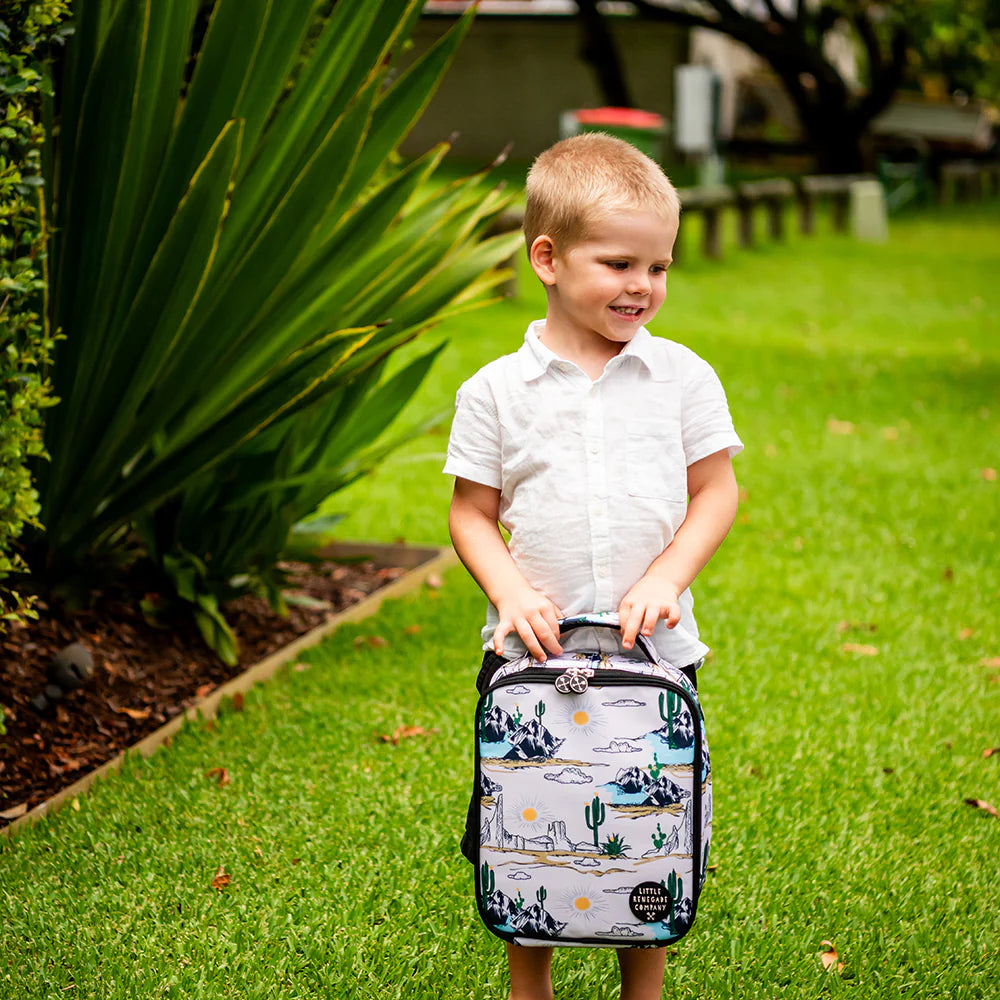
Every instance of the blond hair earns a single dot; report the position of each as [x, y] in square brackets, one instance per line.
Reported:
[579, 181]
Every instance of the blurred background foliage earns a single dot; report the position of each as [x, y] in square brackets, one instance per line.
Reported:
[235, 250]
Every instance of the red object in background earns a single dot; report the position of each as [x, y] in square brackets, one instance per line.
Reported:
[621, 117]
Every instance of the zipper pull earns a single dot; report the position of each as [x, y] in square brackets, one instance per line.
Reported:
[574, 680]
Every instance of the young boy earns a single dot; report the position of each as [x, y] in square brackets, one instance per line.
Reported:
[603, 451]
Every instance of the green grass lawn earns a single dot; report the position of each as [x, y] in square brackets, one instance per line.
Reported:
[852, 690]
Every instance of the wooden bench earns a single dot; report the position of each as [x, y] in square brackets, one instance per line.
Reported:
[709, 203]
[836, 187]
[773, 195]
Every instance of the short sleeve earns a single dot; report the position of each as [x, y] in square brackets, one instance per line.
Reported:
[474, 448]
[707, 426]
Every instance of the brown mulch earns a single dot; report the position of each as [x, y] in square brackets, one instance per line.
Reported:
[143, 675]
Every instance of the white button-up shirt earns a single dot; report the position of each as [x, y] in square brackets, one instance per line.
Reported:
[592, 474]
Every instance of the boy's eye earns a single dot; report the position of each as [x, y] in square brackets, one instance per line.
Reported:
[658, 269]
[618, 265]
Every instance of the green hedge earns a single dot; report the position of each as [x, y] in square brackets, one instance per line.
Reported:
[27, 33]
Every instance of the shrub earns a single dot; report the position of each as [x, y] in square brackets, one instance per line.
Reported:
[26, 32]
[236, 252]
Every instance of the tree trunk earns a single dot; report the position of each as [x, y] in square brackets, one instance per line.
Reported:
[600, 51]
[835, 138]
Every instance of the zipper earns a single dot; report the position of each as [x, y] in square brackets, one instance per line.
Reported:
[596, 675]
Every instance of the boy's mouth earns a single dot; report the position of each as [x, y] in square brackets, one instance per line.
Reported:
[628, 310]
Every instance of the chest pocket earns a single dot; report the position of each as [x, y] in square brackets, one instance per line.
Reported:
[655, 466]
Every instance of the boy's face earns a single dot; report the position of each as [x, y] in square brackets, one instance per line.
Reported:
[610, 283]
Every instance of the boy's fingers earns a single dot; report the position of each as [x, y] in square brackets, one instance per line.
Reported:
[631, 627]
[547, 634]
[649, 620]
[530, 640]
[498, 633]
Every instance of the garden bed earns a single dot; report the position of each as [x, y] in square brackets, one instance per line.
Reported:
[145, 676]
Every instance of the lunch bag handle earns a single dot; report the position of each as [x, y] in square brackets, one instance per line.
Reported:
[608, 619]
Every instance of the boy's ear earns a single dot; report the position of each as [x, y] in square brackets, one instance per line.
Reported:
[541, 253]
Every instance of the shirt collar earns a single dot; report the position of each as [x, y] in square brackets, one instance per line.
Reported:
[536, 358]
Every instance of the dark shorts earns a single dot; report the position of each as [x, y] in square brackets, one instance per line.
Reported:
[490, 663]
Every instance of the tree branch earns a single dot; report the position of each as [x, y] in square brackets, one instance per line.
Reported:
[886, 83]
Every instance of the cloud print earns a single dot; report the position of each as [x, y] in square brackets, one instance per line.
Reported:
[520, 689]
[520, 877]
[618, 746]
[624, 703]
[570, 776]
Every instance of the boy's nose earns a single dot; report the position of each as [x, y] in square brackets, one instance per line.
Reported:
[638, 284]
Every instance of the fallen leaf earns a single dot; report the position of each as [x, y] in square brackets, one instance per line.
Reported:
[990, 475]
[983, 805]
[305, 601]
[76, 805]
[403, 733]
[839, 426]
[890, 433]
[991, 752]
[990, 661]
[411, 630]
[888, 770]
[134, 713]
[222, 879]
[375, 641]
[857, 627]
[829, 957]
[434, 581]
[860, 648]
[949, 573]
[220, 773]
[966, 633]
[203, 690]
[70, 764]
[299, 667]
[238, 701]
[15, 811]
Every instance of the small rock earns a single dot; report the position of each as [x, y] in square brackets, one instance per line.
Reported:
[71, 667]
[39, 703]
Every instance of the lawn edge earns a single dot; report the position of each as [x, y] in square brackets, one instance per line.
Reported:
[420, 562]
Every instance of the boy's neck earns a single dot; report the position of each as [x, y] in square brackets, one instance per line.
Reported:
[590, 355]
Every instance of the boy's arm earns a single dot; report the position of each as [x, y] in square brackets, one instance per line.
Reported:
[475, 533]
[714, 498]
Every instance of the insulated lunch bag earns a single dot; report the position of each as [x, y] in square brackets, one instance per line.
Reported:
[595, 798]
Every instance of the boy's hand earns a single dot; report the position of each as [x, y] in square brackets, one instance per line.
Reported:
[534, 618]
[643, 606]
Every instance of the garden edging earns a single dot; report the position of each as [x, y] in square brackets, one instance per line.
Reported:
[420, 562]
